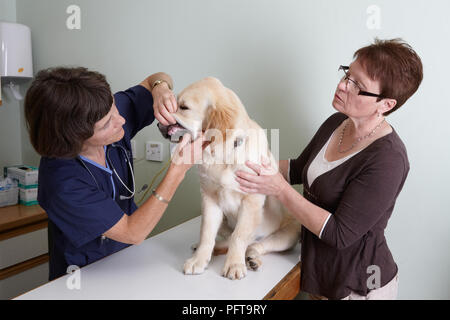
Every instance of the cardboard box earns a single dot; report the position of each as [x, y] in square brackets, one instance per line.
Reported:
[27, 176]
[28, 196]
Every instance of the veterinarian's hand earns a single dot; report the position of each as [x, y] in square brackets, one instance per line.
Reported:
[188, 152]
[164, 103]
[265, 179]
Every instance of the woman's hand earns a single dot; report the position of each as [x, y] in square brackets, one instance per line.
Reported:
[188, 153]
[265, 179]
[164, 103]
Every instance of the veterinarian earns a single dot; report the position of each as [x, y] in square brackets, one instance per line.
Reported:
[86, 181]
[352, 171]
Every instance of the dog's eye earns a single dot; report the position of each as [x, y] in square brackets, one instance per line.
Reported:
[184, 108]
[238, 142]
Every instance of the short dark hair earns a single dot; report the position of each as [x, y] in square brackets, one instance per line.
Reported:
[396, 65]
[62, 106]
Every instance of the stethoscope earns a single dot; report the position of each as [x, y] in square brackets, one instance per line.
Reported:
[127, 160]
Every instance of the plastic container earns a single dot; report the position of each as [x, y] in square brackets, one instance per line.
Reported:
[9, 192]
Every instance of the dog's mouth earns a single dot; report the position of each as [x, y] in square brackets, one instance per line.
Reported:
[173, 132]
[174, 128]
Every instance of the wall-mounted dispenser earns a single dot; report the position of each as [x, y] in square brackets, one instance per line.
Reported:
[16, 63]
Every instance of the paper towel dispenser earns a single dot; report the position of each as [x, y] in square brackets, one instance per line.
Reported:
[16, 62]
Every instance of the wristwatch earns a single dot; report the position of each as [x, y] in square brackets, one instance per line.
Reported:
[159, 81]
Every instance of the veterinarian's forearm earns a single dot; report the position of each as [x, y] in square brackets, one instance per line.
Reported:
[308, 214]
[145, 218]
[148, 82]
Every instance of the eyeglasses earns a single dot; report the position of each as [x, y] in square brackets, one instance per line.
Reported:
[354, 87]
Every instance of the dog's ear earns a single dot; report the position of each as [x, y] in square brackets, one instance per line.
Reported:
[220, 118]
[221, 115]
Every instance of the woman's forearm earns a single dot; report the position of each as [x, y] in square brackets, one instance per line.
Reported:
[150, 80]
[308, 214]
[145, 218]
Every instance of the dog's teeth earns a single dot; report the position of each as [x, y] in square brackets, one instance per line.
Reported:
[173, 130]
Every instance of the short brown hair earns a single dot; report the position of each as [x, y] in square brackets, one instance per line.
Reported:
[62, 106]
[396, 65]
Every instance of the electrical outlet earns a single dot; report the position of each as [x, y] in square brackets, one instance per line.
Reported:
[154, 151]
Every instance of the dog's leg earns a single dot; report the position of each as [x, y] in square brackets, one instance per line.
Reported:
[222, 239]
[221, 247]
[211, 220]
[281, 240]
[249, 217]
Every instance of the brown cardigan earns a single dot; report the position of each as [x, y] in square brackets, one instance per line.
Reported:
[360, 194]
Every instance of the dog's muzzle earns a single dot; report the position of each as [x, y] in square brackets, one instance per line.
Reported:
[173, 132]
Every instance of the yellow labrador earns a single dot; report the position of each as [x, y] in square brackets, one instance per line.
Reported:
[246, 225]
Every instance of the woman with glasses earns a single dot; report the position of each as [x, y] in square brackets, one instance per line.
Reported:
[352, 171]
[86, 179]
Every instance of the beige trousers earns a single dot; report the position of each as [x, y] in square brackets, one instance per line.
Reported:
[388, 292]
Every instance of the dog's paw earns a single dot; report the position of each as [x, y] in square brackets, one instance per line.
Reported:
[234, 271]
[252, 259]
[195, 265]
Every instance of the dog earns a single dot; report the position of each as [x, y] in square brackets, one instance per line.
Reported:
[244, 226]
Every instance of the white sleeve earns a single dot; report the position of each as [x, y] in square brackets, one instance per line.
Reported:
[324, 224]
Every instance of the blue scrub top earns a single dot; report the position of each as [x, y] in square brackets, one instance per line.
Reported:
[80, 209]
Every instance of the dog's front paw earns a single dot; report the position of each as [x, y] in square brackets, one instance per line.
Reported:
[234, 271]
[195, 265]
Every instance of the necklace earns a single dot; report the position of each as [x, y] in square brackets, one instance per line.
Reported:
[359, 139]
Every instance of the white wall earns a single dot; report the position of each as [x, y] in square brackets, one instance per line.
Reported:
[8, 10]
[281, 58]
[10, 123]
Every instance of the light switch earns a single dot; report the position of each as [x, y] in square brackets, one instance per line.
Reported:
[154, 151]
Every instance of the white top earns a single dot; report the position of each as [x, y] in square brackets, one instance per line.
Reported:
[154, 270]
[319, 166]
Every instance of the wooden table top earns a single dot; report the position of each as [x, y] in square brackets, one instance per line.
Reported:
[17, 216]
